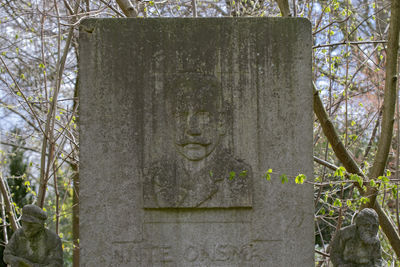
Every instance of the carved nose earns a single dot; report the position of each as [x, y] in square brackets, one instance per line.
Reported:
[193, 131]
[193, 128]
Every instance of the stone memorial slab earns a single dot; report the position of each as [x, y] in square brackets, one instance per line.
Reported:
[180, 119]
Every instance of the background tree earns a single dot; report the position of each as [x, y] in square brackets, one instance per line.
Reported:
[18, 184]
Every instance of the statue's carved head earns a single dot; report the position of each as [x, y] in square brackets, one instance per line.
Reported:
[32, 220]
[367, 224]
[195, 108]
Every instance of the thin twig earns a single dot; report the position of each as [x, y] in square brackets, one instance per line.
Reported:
[23, 95]
[51, 117]
[351, 43]
[57, 199]
[3, 215]
[7, 202]
[112, 8]
[330, 24]
[322, 253]
[370, 16]
[325, 163]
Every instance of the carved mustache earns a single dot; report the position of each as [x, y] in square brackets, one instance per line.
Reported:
[197, 141]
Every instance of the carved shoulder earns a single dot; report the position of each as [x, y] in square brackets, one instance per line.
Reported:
[12, 244]
[52, 238]
[338, 242]
[347, 232]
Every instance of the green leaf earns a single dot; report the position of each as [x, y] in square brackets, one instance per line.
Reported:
[243, 174]
[284, 178]
[394, 191]
[232, 175]
[340, 172]
[267, 175]
[348, 203]
[336, 6]
[300, 179]
[337, 203]
[365, 200]
[372, 183]
[388, 173]
[355, 177]
[322, 211]
[331, 212]
[384, 179]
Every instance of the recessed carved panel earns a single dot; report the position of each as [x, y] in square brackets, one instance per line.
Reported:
[201, 173]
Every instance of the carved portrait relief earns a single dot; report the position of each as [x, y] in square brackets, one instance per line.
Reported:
[203, 173]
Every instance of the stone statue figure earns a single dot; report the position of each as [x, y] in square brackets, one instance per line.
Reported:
[358, 245]
[33, 245]
[203, 173]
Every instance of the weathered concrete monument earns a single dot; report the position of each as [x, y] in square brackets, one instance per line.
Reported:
[180, 120]
[358, 244]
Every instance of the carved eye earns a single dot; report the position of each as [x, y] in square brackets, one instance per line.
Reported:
[181, 115]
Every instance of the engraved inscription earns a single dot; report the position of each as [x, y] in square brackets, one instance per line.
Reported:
[129, 253]
[203, 174]
[195, 254]
[250, 253]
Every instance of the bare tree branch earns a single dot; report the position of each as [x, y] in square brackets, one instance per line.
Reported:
[284, 7]
[389, 102]
[127, 7]
[350, 42]
[7, 202]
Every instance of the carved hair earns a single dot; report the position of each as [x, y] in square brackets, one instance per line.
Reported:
[197, 88]
[366, 214]
[202, 91]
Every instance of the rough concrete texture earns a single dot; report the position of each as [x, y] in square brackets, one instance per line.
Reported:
[180, 120]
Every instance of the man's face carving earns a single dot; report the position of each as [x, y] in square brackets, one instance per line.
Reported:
[197, 133]
[198, 123]
[31, 229]
[368, 231]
